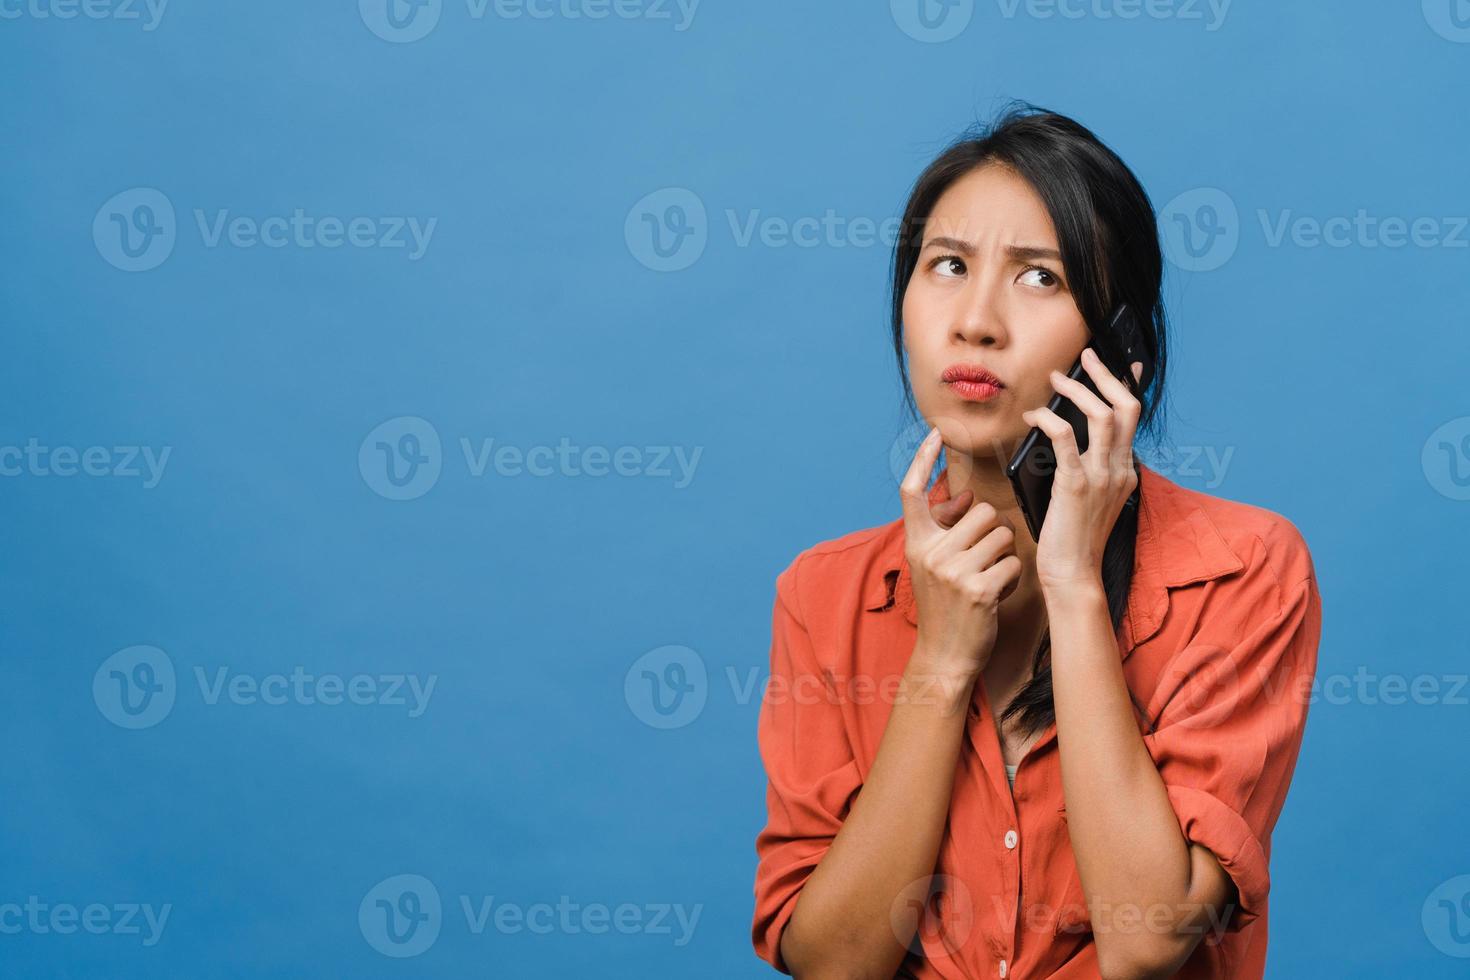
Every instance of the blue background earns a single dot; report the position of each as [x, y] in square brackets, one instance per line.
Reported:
[533, 316]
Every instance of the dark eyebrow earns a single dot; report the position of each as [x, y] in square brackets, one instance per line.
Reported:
[1020, 253]
[1027, 252]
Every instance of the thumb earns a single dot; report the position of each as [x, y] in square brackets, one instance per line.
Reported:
[948, 513]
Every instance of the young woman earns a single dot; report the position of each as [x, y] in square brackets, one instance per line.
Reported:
[993, 756]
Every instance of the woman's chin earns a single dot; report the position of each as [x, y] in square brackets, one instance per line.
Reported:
[983, 442]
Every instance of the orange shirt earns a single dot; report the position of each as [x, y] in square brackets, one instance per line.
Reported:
[1219, 645]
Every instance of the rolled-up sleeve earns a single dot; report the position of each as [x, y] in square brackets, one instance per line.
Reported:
[810, 770]
[1227, 737]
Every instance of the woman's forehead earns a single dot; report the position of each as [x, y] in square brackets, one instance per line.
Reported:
[988, 205]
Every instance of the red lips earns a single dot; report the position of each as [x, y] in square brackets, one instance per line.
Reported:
[971, 372]
[972, 383]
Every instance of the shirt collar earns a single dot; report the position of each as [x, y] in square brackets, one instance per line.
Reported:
[1177, 545]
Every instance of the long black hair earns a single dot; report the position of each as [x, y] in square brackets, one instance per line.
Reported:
[1108, 236]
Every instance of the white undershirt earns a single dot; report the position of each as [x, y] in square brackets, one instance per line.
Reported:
[1011, 774]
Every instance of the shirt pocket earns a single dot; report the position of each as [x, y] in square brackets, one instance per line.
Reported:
[1071, 917]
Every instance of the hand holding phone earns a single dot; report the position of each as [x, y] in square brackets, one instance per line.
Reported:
[1033, 467]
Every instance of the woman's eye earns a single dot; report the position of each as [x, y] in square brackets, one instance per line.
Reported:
[1047, 279]
[953, 263]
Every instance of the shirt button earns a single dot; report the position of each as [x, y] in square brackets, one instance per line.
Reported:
[1010, 845]
[1002, 968]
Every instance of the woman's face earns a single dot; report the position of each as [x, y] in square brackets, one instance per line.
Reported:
[988, 293]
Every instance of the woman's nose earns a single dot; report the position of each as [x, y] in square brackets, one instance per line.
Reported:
[978, 321]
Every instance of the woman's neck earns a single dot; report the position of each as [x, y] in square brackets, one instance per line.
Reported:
[985, 477]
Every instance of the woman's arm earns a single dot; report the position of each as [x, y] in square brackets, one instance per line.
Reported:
[1147, 888]
[1151, 894]
[857, 910]
[1150, 891]
[844, 923]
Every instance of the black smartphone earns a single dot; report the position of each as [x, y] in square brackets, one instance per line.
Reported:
[1033, 467]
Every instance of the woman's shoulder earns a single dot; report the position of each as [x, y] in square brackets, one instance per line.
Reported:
[849, 565]
[1261, 539]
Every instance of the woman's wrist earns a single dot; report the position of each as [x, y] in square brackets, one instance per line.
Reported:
[1064, 594]
[934, 678]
